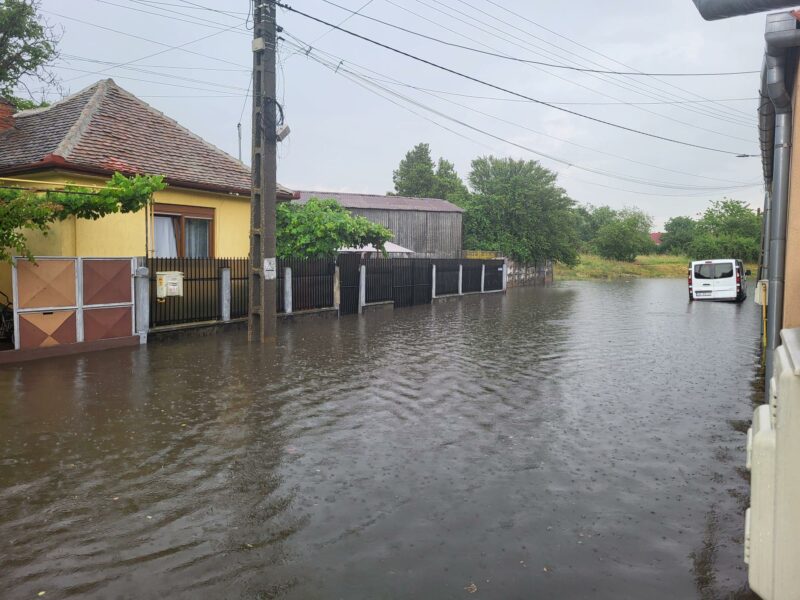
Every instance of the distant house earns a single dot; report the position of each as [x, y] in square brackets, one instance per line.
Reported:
[656, 237]
[86, 137]
[429, 227]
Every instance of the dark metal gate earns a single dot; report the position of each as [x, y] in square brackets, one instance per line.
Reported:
[349, 275]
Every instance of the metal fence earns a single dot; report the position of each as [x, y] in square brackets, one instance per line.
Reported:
[493, 279]
[447, 276]
[404, 281]
[201, 290]
[380, 279]
[312, 282]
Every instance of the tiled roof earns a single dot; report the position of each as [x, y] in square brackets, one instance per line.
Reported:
[104, 129]
[375, 201]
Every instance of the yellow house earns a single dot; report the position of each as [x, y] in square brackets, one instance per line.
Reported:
[86, 137]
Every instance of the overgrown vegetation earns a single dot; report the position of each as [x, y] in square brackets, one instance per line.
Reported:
[319, 228]
[592, 266]
[23, 210]
[728, 228]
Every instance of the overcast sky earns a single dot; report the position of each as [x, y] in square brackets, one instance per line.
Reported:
[347, 135]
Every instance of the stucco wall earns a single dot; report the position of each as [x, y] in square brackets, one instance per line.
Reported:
[124, 234]
[791, 306]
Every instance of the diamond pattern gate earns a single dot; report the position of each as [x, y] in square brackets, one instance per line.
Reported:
[65, 300]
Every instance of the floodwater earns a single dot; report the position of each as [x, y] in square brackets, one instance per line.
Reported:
[584, 440]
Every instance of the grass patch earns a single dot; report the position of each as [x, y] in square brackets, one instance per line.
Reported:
[649, 266]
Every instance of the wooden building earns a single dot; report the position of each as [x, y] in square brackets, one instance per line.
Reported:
[432, 228]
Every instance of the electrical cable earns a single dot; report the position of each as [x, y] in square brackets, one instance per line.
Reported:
[337, 68]
[516, 58]
[509, 91]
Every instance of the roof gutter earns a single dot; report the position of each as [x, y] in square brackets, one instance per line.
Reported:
[781, 35]
[712, 10]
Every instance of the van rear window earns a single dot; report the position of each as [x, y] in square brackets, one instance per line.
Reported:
[704, 271]
[723, 270]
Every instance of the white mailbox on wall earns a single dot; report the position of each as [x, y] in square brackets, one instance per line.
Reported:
[169, 283]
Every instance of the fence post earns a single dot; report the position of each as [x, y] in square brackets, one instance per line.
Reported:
[287, 290]
[505, 275]
[225, 293]
[483, 278]
[141, 291]
[337, 290]
[460, 278]
[433, 280]
[362, 288]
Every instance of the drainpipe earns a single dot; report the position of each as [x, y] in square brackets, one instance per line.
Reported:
[782, 34]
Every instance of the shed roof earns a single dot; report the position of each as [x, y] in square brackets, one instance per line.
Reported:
[104, 128]
[374, 201]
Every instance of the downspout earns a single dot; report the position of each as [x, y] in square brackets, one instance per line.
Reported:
[781, 34]
[766, 136]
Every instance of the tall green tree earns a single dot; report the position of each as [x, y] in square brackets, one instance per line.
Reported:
[448, 185]
[419, 177]
[415, 176]
[27, 48]
[728, 228]
[319, 228]
[679, 233]
[518, 209]
[625, 236]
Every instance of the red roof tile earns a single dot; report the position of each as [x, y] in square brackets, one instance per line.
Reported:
[105, 129]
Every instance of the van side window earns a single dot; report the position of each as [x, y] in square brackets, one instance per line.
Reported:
[704, 271]
[723, 270]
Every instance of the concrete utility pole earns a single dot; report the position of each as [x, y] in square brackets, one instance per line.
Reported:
[262, 323]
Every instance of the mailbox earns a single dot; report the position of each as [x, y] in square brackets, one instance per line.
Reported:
[169, 283]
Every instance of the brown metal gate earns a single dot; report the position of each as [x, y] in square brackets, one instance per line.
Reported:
[65, 300]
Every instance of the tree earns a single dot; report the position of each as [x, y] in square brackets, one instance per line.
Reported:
[679, 232]
[22, 209]
[319, 228]
[415, 176]
[27, 47]
[590, 219]
[448, 185]
[626, 236]
[519, 210]
[419, 177]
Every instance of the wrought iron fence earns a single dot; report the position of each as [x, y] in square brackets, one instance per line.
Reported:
[201, 290]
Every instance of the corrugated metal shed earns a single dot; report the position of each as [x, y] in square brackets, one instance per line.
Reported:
[428, 226]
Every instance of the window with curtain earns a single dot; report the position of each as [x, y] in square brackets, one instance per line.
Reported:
[166, 240]
[183, 231]
[197, 238]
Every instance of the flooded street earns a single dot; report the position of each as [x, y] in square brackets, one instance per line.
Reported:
[579, 441]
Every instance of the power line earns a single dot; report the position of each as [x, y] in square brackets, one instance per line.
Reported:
[393, 81]
[508, 91]
[534, 23]
[635, 85]
[517, 58]
[352, 14]
[336, 67]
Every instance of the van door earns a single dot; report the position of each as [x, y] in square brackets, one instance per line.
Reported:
[724, 280]
[703, 284]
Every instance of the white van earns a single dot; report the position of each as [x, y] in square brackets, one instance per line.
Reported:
[722, 279]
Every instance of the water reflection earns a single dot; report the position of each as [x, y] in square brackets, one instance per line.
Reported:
[553, 442]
